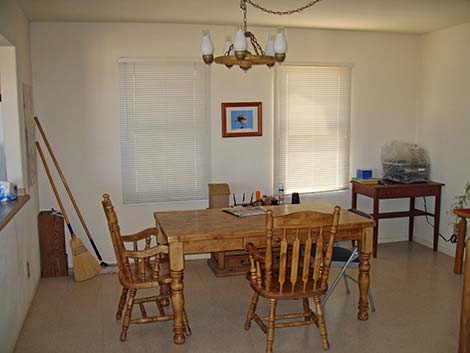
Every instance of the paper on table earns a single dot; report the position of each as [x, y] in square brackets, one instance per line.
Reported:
[245, 211]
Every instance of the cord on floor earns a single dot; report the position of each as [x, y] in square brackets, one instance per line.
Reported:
[452, 239]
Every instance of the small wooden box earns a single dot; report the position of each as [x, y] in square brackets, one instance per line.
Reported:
[52, 245]
[219, 195]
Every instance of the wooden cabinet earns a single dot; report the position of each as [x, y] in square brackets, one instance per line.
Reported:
[52, 244]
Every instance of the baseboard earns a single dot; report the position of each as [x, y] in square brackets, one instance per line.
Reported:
[443, 247]
[388, 238]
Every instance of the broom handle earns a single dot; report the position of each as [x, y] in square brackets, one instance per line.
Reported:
[51, 181]
[69, 192]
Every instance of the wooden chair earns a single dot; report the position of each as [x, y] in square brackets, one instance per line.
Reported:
[294, 277]
[143, 267]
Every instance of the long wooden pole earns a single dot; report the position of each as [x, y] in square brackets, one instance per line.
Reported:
[54, 189]
[69, 192]
[85, 265]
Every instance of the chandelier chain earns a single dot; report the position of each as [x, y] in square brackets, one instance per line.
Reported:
[243, 7]
[255, 44]
[272, 12]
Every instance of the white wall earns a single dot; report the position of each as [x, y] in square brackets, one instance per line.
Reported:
[18, 245]
[443, 126]
[19, 239]
[77, 98]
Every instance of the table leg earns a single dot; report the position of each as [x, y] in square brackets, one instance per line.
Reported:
[437, 217]
[177, 297]
[365, 249]
[458, 262]
[375, 215]
[412, 219]
[354, 199]
[464, 336]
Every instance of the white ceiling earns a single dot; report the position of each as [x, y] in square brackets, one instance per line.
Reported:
[412, 16]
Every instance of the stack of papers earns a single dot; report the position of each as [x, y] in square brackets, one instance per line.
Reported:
[240, 211]
[365, 181]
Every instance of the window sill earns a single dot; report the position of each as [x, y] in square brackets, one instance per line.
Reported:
[8, 210]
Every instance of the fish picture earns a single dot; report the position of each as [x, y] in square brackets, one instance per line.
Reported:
[241, 119]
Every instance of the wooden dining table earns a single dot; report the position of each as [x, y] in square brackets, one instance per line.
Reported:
[213, 230]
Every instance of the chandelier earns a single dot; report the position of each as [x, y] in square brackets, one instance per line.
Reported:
[237, 53]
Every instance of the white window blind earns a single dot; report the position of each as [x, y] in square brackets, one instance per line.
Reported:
[164, 130]
[312, 118]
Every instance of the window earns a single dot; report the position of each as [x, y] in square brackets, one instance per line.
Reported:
[311, 147]
[165, 130]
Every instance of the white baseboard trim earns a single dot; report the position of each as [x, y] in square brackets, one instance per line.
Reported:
[443, 247]
[388, 238]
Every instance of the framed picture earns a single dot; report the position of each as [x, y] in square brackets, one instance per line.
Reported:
[242, 119]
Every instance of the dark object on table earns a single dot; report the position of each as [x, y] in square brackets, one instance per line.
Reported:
[405, 172]
[52, 244]
[295, 198]
[269, 201]
[405, 162]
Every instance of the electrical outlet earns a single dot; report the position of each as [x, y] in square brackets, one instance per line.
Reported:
[28, 273]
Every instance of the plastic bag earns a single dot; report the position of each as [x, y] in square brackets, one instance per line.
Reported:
[405, 162]
[7, 192]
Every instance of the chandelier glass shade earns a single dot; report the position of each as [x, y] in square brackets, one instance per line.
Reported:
[239, 53]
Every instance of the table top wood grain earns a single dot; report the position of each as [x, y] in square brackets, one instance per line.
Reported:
[210, 224]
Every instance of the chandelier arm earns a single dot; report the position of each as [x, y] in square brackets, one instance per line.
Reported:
[281, 13]
[230, 48]
[255, 44]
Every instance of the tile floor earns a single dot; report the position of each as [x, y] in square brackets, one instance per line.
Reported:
[416, 293]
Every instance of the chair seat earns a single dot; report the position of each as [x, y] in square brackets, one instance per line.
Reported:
[147, 281]
[298, 292]
[342, 255]
[339, 254]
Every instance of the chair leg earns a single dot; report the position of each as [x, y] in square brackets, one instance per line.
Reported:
[321, 323]
[127, 317]
[346, 284]
[369, 294]
[271, 322]
[122, 302]
[160, 307]
[251, 311]
[187, 329]
[307, 310]
[165, 291]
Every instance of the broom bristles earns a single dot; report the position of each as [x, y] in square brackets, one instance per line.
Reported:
[85, 266]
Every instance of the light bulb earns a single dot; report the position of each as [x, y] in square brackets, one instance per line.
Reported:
[207, 48]
[280, 44]
[269, 50]
[239, 43]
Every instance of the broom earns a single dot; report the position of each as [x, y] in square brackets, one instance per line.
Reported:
[69, 192]
[85, 265]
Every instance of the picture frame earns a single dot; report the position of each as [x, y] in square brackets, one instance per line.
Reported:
[242, 119]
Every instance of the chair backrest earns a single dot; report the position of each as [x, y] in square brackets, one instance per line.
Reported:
[295, 234]
[115, 232]
[146, 261]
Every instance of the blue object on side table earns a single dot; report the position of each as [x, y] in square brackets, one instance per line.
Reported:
[364, 174]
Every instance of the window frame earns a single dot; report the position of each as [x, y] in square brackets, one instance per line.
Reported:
[277, 122]
[207, 104]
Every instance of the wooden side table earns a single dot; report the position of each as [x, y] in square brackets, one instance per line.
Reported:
[463, 213]
[398, 191]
